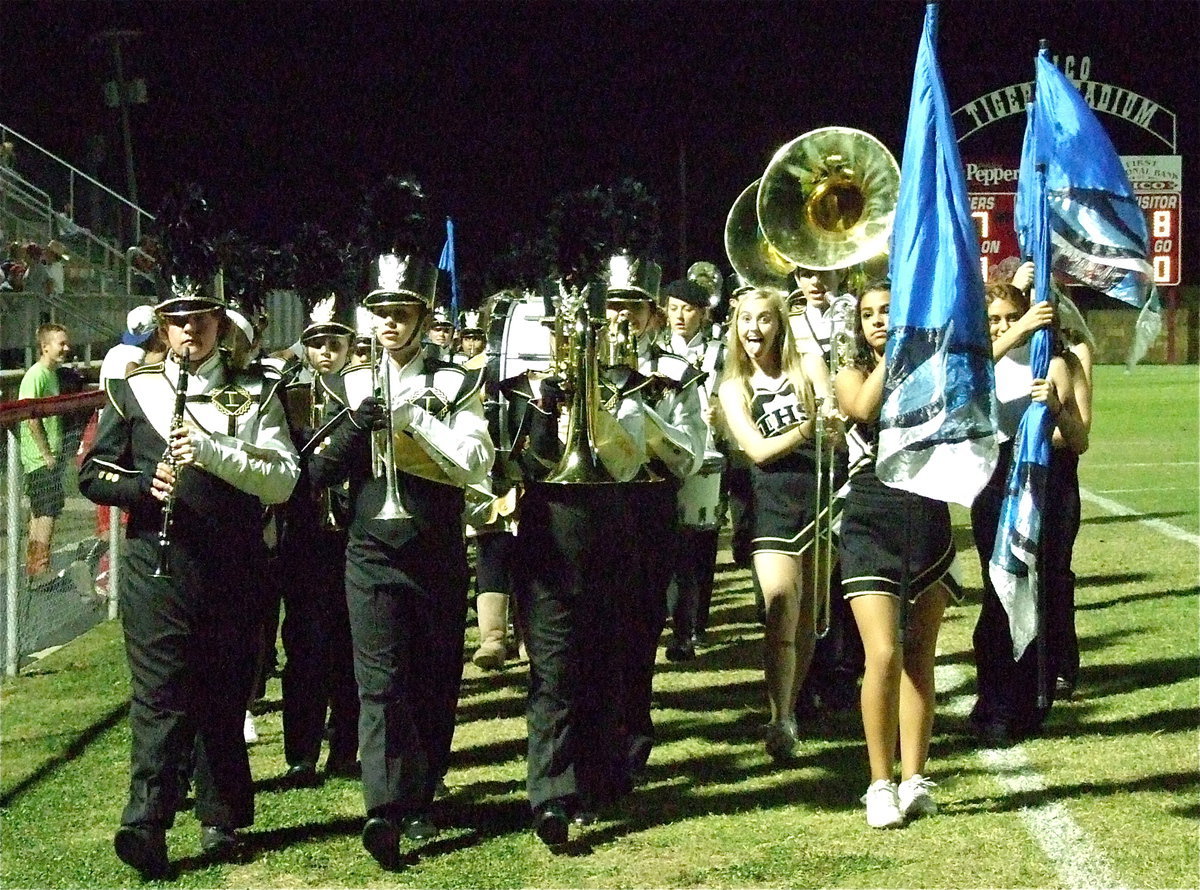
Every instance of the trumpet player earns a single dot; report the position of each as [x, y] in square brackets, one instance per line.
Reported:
[215, 463]
[406, 563]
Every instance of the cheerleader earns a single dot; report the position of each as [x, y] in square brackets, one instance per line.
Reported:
[897, 696]
[766, 398]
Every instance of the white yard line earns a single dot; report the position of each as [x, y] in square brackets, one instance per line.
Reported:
[1079, 862]
[1157, 525]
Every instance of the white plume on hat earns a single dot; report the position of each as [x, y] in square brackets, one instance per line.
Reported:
[322, 311]
[364, 322]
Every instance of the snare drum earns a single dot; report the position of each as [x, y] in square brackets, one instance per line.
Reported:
[699, 497]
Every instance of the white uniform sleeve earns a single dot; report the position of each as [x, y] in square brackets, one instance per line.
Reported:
[675, 431]
[267, 467]
[460, 445]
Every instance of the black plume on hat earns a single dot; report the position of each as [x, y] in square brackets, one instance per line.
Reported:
[637, 229]
[524, 264]
[580, 229]
[186, 229]
[394, 218]
[249, 271]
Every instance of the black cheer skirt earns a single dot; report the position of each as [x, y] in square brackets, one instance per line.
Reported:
[879, 525]
[782, 504]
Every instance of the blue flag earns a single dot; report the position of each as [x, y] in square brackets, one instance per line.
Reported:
[937, 425]
[1013, 568]
[449, 263]
[1097, 231]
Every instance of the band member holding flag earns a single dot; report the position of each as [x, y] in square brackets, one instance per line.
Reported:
[877, 552]
[1076, 214]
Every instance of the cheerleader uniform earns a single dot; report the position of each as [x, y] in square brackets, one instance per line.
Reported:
[881, 525]
[782, 491]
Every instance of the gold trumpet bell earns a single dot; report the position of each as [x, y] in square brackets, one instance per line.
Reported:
[828, 198]
[752, 256]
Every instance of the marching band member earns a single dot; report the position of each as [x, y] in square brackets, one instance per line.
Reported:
[318, 670]
[226, 454]
[470, 337]
[1006, 709]
[406, 570]
[441, 334]
[898, 687]
[767, 400]
[675, 435]
[687, 306]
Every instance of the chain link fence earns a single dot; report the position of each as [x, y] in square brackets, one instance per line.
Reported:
[53, 592]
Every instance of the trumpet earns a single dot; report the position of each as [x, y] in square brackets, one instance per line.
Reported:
[162, 570]
[384, 459]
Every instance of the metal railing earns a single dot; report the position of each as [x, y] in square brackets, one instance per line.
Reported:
[79, 587]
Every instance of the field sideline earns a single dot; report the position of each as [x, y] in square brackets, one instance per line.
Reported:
[1107, 796]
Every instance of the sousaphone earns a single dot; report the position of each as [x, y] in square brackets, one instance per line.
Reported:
[752, 256]
[828, 198]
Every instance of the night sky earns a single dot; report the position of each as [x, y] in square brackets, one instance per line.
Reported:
[285, 112]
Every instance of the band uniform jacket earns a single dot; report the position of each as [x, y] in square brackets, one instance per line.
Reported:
[246, 459]
[675, 430]
[447, 435]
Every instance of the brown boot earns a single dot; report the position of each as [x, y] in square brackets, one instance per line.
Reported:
[37, 558]
[493, 625]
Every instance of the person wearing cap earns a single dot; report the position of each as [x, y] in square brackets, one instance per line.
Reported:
[470, 336]
[318, 670]
[441, 334]
[140, 337]
[406, 566]
[213, 468]
[675, 436]
[687, 307]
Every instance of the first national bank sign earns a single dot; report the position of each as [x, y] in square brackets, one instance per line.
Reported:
[1103, 97]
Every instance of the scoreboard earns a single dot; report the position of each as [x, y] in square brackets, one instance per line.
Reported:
[1157, 182]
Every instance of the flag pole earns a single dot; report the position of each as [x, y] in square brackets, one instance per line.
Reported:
[1042, 276]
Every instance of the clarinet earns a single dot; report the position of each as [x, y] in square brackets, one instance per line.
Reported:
[168, 510]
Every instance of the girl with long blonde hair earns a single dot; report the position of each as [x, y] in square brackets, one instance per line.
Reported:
[767, 402]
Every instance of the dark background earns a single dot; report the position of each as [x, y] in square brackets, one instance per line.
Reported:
[286, 111]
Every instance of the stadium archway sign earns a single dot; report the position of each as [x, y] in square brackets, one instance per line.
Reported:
[1103, 97]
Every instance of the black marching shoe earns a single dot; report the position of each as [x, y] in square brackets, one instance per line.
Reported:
[302, 775]
[681, 650]
[550, 823]
[343, 766]
[144, 849]
[218, 842]
[420, 827]
[382, 841]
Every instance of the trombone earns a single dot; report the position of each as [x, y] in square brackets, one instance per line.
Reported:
[383, 460]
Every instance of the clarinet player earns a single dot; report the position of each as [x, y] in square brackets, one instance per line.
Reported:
[189, 577]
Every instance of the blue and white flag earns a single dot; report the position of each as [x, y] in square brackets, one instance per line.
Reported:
[937, 425]
[1097, 231]
[449, 263]
[1013, 568]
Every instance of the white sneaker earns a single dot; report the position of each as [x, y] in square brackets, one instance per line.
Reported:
[249, 732]
[914, 796]
[883, 811]
[781, 738]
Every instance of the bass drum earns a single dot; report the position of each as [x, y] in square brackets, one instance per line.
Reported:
[517, 341]
[699, 498]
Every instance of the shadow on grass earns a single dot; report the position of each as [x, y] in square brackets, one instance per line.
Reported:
[72, 751]
[1110, 519]
[1133, 597]
[1181, 783]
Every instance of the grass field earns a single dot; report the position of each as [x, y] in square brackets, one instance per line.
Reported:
[1107, 796]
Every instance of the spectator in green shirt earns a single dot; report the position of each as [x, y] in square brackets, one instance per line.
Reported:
[41, 448]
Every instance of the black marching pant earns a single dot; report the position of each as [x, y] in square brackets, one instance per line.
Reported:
[569, 581]
[190, 652]
[407, 608]
[651, 533]
[313, 584]
[1008, 688]
[694, 570]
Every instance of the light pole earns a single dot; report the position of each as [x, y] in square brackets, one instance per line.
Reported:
[121, 94]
